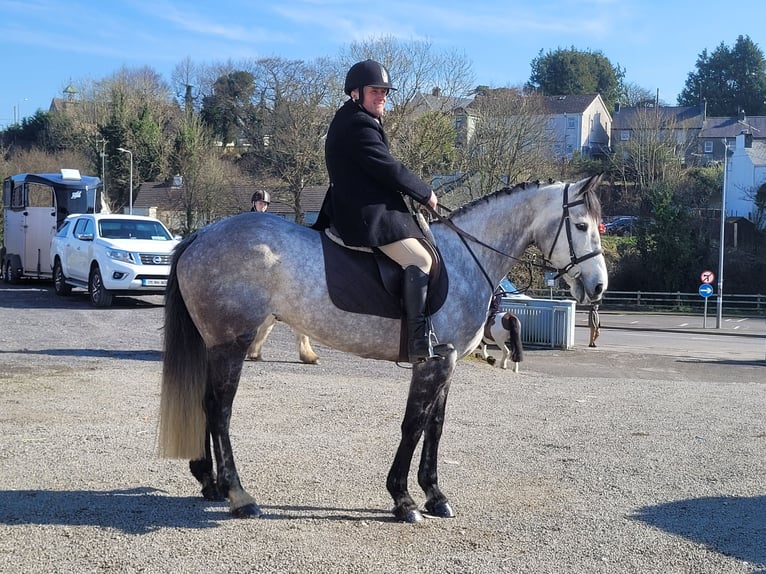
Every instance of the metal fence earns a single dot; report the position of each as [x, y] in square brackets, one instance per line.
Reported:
[544, 322]
[749, 305]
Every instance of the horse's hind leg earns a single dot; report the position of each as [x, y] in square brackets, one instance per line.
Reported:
[224, 370]
[203, 471]
[305, 352]
[424, 412]
[254, 352]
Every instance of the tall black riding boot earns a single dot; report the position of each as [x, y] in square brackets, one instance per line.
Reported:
[414, 292]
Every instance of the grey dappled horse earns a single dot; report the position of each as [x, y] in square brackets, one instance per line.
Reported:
[232, 276]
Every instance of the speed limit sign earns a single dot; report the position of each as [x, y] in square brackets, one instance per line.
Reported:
[707, 277]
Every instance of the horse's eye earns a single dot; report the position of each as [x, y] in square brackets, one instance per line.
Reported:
[581, 226]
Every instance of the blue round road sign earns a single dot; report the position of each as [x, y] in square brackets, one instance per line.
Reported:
[706, 290]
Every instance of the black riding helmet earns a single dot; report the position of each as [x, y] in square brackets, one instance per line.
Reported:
[261, 195]
[367, 73]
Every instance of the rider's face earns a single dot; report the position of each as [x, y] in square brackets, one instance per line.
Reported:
[375, 100]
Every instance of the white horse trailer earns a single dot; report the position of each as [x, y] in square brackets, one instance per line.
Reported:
[35, 205]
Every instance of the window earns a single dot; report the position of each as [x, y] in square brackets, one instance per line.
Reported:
[625, 135]
[571, 123]
[708, 147]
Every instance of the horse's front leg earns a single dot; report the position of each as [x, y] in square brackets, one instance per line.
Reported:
[427, 389]
[224, 370]
[506, 354]
[428, 478]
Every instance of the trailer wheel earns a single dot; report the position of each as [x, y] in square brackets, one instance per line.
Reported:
[10, 273]
[60, 286]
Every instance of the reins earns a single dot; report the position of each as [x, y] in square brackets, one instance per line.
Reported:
[573, 259]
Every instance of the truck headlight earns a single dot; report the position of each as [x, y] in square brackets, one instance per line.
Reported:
[120, 255]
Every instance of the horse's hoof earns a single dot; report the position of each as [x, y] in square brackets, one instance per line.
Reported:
[491, 360]
[412, 516]
[247, 511]
[213, 494]
[440, 510]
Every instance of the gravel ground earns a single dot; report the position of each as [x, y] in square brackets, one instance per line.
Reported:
[587, 461]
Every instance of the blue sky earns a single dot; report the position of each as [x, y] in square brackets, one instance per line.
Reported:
[47, 43]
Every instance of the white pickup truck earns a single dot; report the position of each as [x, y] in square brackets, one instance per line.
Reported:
[110, 254]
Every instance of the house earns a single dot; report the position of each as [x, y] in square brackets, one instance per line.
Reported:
[745, 176]
[717, 130]
[574, 124]
[680, 125]
[578, 124]
[163, 200]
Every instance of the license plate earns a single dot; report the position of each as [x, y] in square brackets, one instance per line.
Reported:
[154, 282]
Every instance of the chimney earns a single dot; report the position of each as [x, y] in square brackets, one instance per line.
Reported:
[436, 91]
[742, 116]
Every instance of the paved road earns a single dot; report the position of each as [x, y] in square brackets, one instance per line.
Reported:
[739, 338]
[643, 455]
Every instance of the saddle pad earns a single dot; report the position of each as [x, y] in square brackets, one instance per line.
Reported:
[355, 282]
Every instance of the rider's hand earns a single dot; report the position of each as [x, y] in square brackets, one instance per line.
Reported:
[432, 201]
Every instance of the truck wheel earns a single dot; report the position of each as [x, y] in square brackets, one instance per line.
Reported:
[60, 285]
[99, 295]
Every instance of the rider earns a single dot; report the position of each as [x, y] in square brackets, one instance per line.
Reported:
[260, 200]
[365, 203]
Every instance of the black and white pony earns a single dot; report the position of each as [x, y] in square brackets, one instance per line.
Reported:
[504, 331]
[234, 275]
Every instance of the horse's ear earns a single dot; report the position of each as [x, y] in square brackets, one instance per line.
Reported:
[591, 184]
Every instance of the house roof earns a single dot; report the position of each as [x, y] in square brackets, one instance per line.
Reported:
[757, 153]
[164, 196]
[436, 102]
[730, 127]
[682, 117]
[571, 104]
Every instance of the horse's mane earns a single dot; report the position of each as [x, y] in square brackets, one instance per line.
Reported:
[592, 204]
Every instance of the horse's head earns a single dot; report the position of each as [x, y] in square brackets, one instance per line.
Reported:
[569, 237]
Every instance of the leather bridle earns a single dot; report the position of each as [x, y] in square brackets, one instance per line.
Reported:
[564, 223]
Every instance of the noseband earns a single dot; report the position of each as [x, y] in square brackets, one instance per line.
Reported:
[573, 259]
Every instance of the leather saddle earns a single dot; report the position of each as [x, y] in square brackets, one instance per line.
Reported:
[362, 280]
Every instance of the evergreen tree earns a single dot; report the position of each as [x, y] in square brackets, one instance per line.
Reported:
[571, 71]
[729, 80]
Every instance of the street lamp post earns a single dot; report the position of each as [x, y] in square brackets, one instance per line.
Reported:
[17, 111]
[719, 301]
[130, 191]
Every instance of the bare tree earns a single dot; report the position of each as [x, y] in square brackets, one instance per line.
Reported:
[293, 105]
[200, 197]
[654, 151]
[416, 68]
[507, 141]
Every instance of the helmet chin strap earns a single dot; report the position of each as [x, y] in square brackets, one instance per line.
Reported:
[360, 96]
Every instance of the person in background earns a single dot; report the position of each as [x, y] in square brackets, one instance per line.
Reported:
[594, 324]
[260, 200]
[365, 204]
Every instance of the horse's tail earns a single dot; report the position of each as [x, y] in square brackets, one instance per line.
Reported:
[517, 349]
[184, 374]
